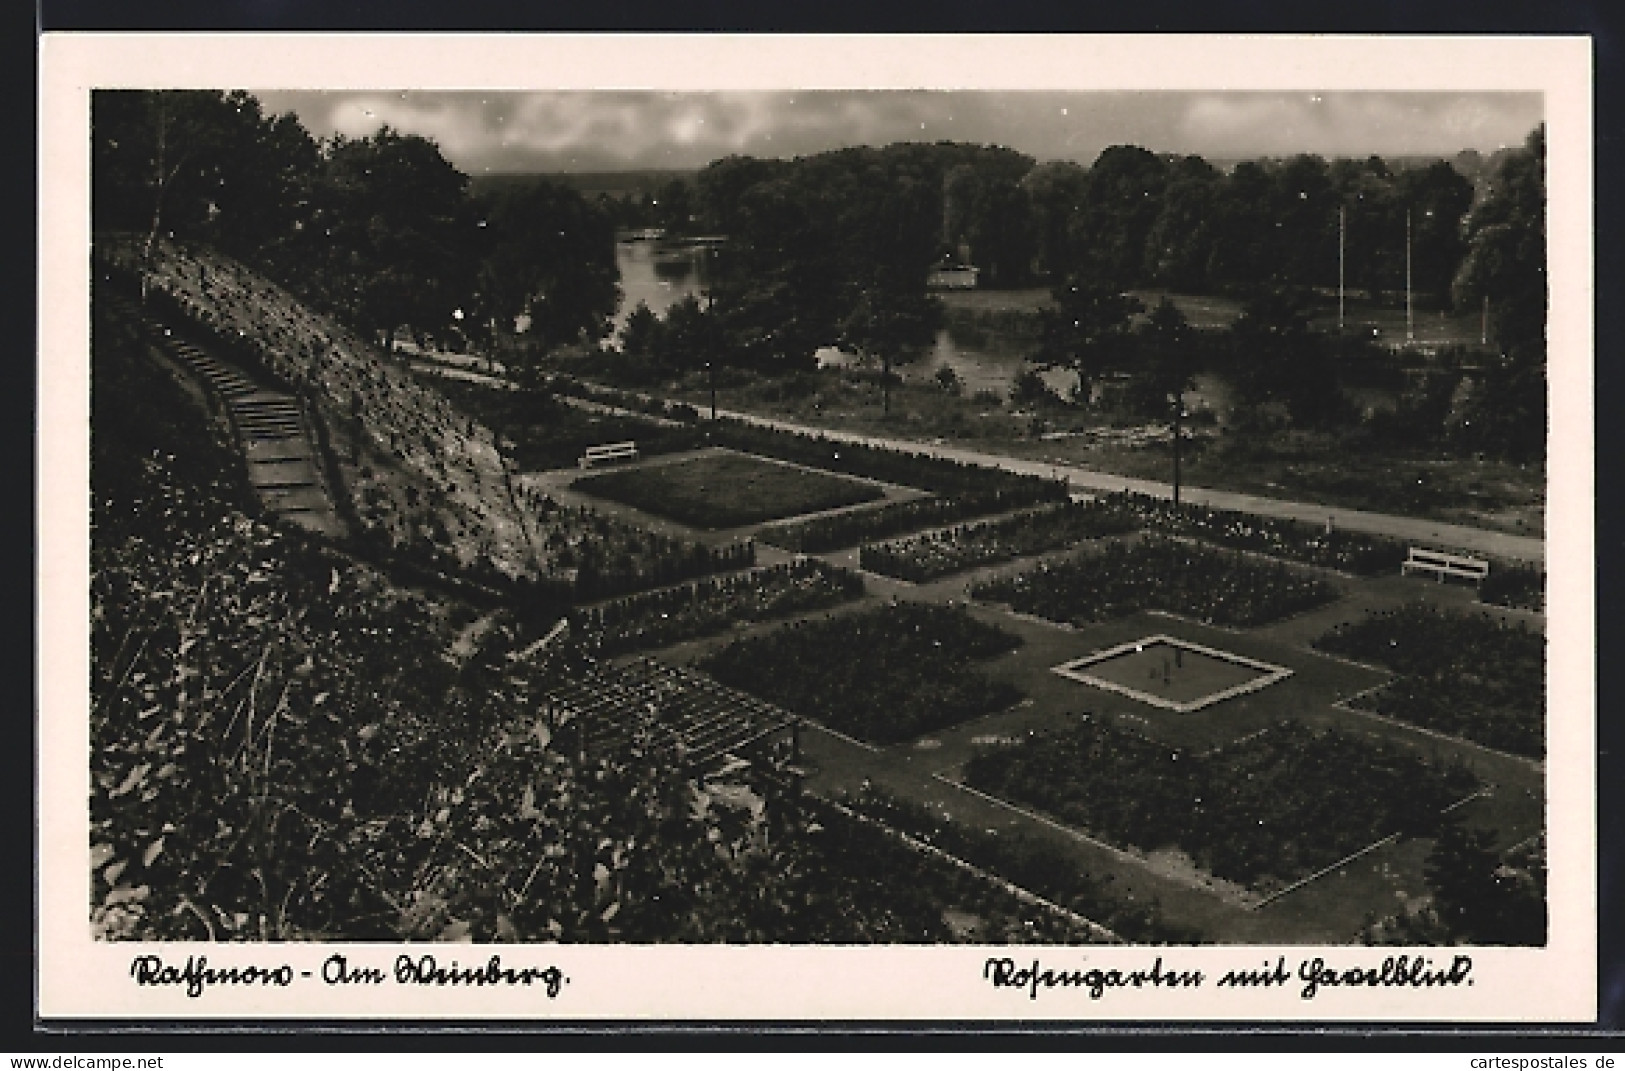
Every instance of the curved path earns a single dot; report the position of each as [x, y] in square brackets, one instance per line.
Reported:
[1436, 534]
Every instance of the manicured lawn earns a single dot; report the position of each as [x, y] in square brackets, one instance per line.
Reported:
[726, 490]
[1163, 672]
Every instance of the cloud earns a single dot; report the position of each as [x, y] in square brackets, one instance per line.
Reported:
[1356, 124]
[590, 130]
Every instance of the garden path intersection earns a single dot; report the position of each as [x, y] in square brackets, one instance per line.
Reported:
[1378, 877]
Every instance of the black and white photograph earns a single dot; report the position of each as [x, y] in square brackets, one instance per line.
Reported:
[609, 528]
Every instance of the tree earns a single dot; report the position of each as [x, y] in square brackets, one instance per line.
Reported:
[892, 321]
[641, 335]
[1243, 230]
[1124, 197]
[1304, 204]
[1088, 329]
[1477, 897]
[1278, 360]
[1056, 191]
[1506, 266]
[401, 238]
[1506, 249]
[688, 337]
[549, 255]
[199, 164]
[1163, 368]
[1001, 235]
[674, 207]
[1437, 198]
[1179, 245]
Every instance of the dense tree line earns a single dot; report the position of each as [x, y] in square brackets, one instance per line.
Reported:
[382, 230]
[834, 248]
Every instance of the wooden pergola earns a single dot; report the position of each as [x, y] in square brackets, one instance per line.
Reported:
[701, 721]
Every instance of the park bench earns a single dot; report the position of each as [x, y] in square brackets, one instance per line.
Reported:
[609, 452]
[1436, 561]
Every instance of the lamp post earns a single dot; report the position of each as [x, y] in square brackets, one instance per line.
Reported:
[1179, 411]
[711, 329]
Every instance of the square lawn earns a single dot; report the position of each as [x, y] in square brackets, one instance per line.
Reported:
[1172, 674]
[727, 490]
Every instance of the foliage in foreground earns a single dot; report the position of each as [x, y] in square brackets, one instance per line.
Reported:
[1479, 896]
[882, 675]
[285, 745]
[1263, 811]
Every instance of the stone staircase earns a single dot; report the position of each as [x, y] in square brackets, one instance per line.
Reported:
[271, 427]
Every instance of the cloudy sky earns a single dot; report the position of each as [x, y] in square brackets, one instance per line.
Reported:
[599, 131]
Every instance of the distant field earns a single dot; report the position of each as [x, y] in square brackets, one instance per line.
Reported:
[727, 490]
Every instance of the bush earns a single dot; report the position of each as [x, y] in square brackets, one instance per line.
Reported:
[1263, 811]
[1465, 675]
[1160, 574]
[1353, 552]
[927, 557]
[1023, 861]
[817, 534]
[883, 675]
[1520, 587]
[943, 476]
[662, 618]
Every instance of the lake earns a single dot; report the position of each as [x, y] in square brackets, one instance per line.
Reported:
[662, 273]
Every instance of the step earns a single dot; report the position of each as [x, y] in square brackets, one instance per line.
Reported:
[289, 414]
[247, 409]
[270, 427]
[273, 451]
[289, 483]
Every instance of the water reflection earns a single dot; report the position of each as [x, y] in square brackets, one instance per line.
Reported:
[659, 274]
[663, 273]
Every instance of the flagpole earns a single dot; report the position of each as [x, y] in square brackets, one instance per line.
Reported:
[1342, 233]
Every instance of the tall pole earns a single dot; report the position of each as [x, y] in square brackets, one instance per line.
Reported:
[1484, 323]
[1342, 233]
[711, 365]
[1410, 319]
[1179, 407]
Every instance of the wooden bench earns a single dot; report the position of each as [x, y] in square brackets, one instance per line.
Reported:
[1437, 561]
[609, 452]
